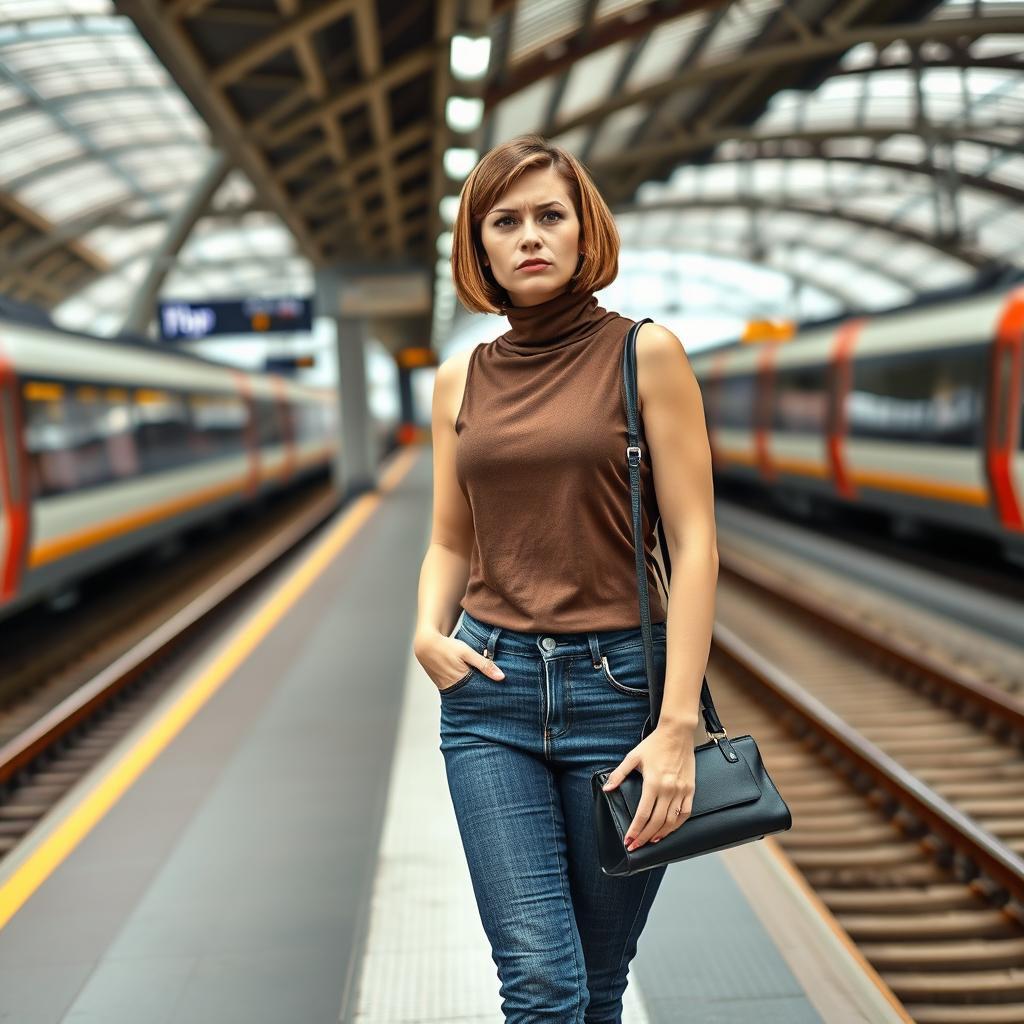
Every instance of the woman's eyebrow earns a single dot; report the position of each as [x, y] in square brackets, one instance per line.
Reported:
[538, 206]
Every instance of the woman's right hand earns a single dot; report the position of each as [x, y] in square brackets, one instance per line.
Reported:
[447, 660]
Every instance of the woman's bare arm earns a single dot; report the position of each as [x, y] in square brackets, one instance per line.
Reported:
[673, 418]
[445, 569]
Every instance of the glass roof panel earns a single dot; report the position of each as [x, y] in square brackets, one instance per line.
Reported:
[665, 49]
[617, 129]
[96, 135]
[904, 148]
[522, 112]
[609, 8]
[538, 23]
[1007, 169]
[739, 24]
[997, 46]
[117, 244]
[24, 10]
[73, 191]
[591, 77]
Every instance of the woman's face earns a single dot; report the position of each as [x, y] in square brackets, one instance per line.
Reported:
[531, 237]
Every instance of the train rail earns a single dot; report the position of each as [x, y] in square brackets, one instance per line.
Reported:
[43, 758]
[905, 776]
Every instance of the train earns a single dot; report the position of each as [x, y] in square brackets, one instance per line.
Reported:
[112, 446]
[914, 413]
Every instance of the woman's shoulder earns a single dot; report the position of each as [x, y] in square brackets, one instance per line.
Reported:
[657, 339]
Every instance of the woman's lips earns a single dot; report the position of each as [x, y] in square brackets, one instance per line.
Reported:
[534, 266]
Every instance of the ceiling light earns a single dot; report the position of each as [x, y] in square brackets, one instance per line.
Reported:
[470, 56]
[448, 207]
[464, 114]
[459, 161]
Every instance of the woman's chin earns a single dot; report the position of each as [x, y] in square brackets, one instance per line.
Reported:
[531, 293]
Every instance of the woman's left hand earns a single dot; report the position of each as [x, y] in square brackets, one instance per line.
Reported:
[666, 761]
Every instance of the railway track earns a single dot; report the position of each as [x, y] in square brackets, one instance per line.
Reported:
[905, 776]
[62, 726]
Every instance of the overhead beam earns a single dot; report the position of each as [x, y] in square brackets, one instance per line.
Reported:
[415, 133]
[140, 312]
[278, 39]
[786, 204]
[51, 236]
[368, 45]
[178, 54]
[845, 297]
[976, 181]
[412, 64]
[316, 87]
[699, 142]
[579, 45]
[800, 52]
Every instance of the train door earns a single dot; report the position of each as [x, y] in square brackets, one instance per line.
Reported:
[764, 410]
[14, 499]
[1004, 429]
[252, 442]
[840, 381]
[288, 426]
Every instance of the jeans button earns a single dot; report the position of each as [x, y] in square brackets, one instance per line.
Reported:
[548, 643]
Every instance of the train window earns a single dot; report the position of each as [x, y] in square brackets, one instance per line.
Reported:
[76, 435]
[269, 423]
[1002, 413]
[218, 424]
[801, 399]
[933, 397]
[162, 428]
[735, 405]
[307, 422]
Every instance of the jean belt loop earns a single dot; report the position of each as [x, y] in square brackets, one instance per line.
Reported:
[492, 642]
[595, 649]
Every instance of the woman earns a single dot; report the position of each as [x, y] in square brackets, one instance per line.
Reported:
[543, 682]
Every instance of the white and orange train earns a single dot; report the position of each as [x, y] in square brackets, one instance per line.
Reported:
[916, 413]
[109, 447]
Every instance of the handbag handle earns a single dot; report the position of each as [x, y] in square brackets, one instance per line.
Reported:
[712, 723]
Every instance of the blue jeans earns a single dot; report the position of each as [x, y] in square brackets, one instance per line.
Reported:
[519, 754]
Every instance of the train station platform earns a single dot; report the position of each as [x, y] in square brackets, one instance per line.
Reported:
[275, 843]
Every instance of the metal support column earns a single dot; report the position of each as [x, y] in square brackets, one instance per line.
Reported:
[355, 468]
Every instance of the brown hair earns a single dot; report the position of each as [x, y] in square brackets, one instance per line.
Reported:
[499, 169]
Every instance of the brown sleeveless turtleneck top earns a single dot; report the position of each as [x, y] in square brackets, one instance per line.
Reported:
[541, 458]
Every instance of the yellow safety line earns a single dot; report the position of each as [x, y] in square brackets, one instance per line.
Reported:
[109, 787]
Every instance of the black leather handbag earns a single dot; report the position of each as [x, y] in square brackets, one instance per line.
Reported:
[734, 799]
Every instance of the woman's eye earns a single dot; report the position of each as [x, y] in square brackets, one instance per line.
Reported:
[503, 221]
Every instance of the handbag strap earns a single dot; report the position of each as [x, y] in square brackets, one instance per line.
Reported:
[712, 723]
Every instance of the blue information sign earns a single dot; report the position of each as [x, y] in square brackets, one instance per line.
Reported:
[181, 321]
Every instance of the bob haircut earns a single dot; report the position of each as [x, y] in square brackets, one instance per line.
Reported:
[499, 169]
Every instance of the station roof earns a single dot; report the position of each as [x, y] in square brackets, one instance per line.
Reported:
[864, 151]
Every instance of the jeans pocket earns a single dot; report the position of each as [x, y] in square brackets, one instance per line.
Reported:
[624, 668]
[465, 636]
[458, 684]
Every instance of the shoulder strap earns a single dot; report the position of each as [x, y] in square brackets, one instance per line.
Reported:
[656, 685]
